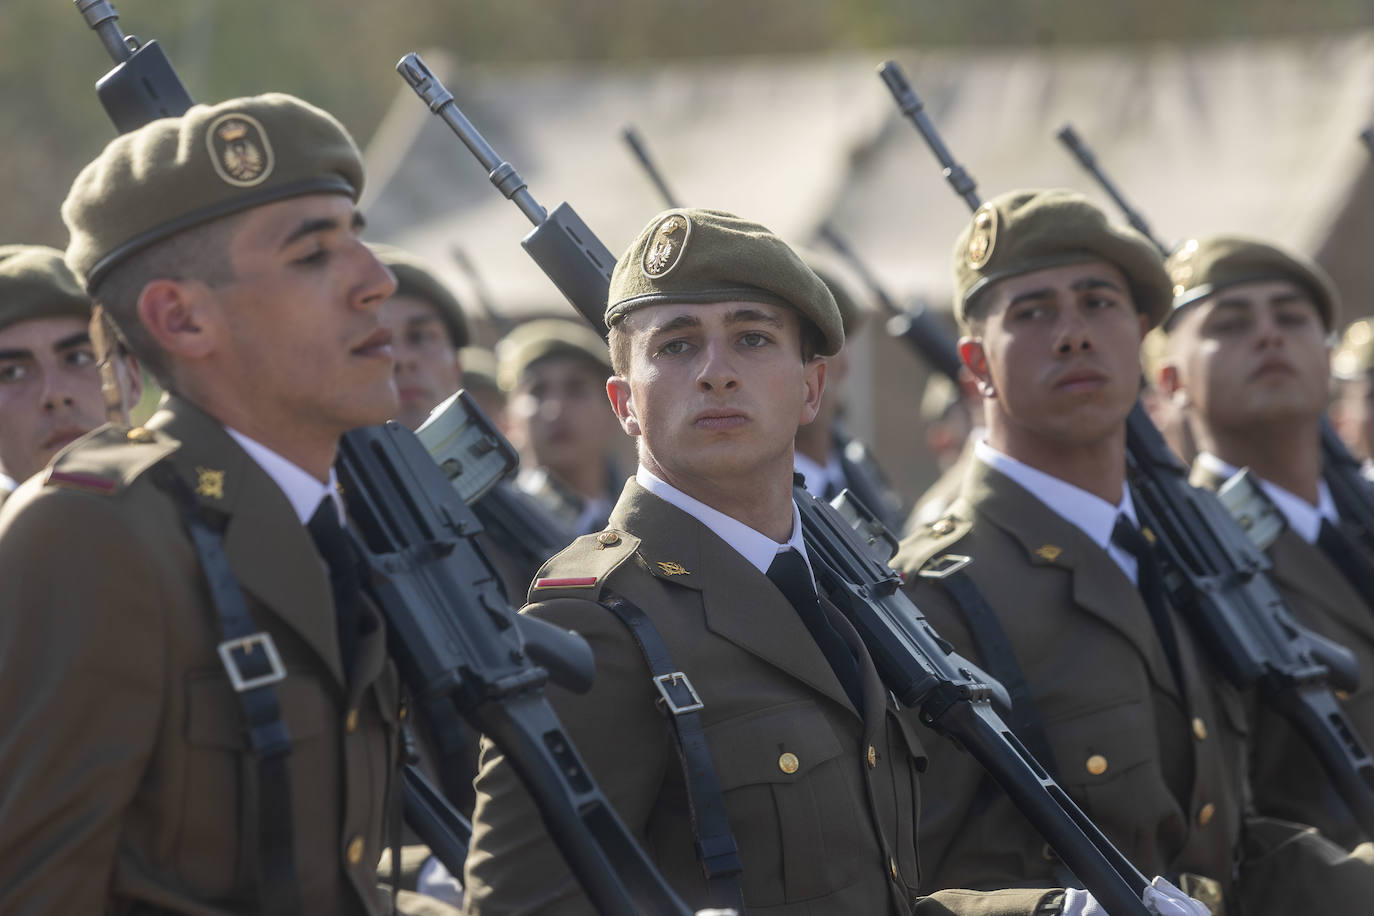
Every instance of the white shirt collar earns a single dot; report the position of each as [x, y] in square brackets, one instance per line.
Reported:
[755, 546]
[817, 476]
[8, 483]
[302, 490]
[1087, 512]
[1304, 518]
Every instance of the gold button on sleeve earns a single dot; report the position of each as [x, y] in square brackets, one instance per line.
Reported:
[355, 850]
[1205, 814]
[1096, 764]
[789, 763]
[1200, 729]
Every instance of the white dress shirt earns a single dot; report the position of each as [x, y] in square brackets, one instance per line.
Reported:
[8, 483]
[1091, 514]
[302, 490]
[819, 477]
[755, 546]
[1304, 518]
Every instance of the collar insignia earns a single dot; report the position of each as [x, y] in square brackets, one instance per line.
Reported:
[673, 569]
[1048, 552]
[209, 483]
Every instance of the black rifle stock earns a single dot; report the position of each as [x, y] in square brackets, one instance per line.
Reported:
[1350, 491]
[142, 86]
[452, 633]
[953, 696]
[1213, 569]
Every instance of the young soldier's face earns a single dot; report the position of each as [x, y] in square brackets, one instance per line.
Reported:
[427, 366]
[302, 346]
[1057, 356]
[49, 391]
[558, 412]
[1254, 353]
[716, 392]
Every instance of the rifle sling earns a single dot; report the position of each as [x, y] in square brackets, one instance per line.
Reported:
[715, 844]
[256, 661]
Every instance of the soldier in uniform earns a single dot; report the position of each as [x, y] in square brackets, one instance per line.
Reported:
[49, 384]
[1041, 573]
[1248, 364]
[479, 378]
[827, 457]
[206, 724]
[1352, 411]
[718, 337]
[555, 371]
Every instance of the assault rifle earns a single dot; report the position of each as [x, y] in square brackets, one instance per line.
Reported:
[849, 554]
[1350, 491]
[451, 631]
[1214, 571]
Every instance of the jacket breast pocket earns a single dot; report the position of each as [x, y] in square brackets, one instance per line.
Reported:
[1103, 756]
[794, 803]
[217, 845]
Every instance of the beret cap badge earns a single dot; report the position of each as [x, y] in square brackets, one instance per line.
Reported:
[239, 150]
[665, 249]
[983, 237]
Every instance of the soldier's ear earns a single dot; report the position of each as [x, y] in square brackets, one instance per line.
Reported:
[1170, 382]
[176, 314]
[975, 359]
[813, 381]
[618, 391]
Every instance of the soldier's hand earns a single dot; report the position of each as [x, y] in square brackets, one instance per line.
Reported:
[1163, 898]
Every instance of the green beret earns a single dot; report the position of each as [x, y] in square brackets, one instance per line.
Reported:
[704, 256]
[544, 338]
[175, 173]
[35, 283]
[414, 278]
[1201, 267]
[1026, 231]
[1354, 358]
[852, 315]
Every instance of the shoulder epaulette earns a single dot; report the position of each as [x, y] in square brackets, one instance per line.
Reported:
[581, 568]
[930, 542]
[108, 459]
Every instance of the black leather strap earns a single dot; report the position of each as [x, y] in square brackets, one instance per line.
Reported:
[715, 843]
[253, 666]
[999, 660]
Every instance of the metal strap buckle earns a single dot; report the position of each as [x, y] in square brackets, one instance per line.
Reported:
[667, 682]
[947, 565]
[245, 647]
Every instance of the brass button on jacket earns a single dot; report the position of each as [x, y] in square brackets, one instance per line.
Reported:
[1096, 764]
[789, 763]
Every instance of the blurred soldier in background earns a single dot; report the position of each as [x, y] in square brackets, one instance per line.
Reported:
[1247, 362]
[1042, 574]
[953, 417]
[555, 372]
[1352, 410]
[50, 391]
[826, 456]
[479, 378]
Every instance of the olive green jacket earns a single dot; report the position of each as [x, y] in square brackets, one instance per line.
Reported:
[822, 801]
[1287, 778]
[125, 774]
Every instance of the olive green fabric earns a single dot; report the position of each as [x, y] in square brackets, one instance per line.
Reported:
[215, 160]
[852, 314]
[1355, 356]
[35, 283]
[415, 278]
[545, 337]
[704, 256]
[1200, 267]
[1029, 230]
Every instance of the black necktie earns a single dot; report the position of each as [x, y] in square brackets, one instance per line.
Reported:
[1151, 586]
[1346, 555]
[791, 575]
[334, 547]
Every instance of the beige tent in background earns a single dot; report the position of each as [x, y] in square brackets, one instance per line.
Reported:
[1255, 137]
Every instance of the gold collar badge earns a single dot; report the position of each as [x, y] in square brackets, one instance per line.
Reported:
[1048, 552]
[673, 569]
[209, 483]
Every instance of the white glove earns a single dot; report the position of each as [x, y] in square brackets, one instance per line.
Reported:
[717, 912]
[438, 882]
[1163, 898]
[1160, 898]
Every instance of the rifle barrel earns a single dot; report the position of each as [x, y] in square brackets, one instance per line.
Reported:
[635, 141]
[912, 106]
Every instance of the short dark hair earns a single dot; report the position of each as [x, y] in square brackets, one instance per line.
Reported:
[199, 253]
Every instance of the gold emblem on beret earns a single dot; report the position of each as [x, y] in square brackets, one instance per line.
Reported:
[983, 237]
[672, 569]
[239, 150]
[209, 483]
[666, 245]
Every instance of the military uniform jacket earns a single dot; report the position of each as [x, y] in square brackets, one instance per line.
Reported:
[126, 778]
[1160, 770]
[822, 801]
[1287, 778]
